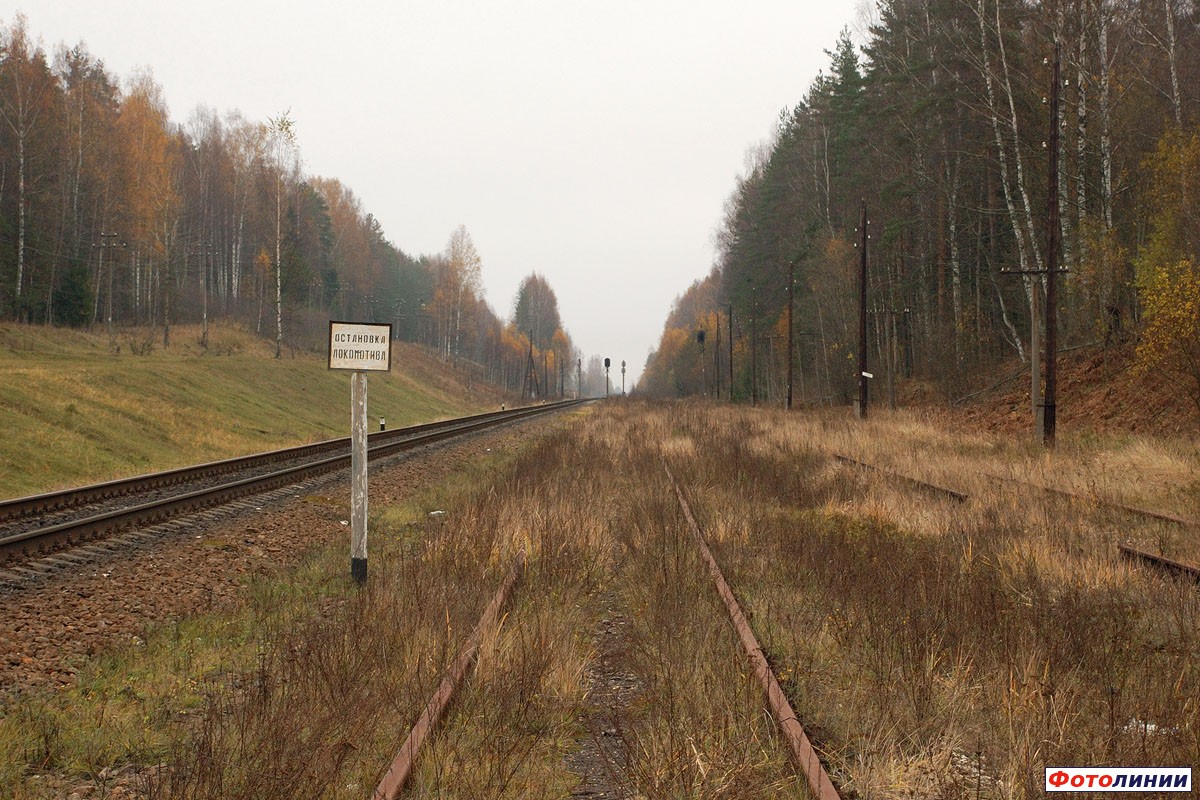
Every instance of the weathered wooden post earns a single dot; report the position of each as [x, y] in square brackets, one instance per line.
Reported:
[358, 476]
[359, 348]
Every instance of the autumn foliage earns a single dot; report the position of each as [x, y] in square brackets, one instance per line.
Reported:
[112, 214]
[935, 120]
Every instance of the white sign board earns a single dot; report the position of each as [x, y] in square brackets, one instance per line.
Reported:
[360, 346]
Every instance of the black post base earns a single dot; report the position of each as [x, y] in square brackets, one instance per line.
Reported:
[358, 570]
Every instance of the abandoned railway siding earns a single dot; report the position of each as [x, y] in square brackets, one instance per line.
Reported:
[947, 641]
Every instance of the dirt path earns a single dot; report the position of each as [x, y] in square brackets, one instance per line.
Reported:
[603, 758]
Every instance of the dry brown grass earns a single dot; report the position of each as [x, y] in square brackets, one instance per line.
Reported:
[596, 500]
[914, 633]
[930, 648]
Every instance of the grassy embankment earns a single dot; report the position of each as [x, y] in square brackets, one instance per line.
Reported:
[74, 409]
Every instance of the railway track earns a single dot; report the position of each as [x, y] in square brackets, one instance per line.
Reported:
[1171, 565]
[805, 756]
[803, 753]
[1126, 549]
[914, 482]
[46, 523]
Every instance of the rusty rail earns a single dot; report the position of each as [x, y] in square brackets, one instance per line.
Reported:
[21, 507]
[400, 769]
[1171, 565]
[1143, 512]
[962, 497]
[802, 750]
[1128, 550]
[920, 484]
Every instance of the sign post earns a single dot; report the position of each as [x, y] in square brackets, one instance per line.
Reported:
[359, 348]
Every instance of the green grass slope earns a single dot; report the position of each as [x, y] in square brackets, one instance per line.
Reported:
[76, 408]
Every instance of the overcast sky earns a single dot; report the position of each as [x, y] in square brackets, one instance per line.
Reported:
[593, 142]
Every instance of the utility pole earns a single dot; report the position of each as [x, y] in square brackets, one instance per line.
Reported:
[862, 316]
[205, 262]
[205, 253]
[107, 242]
[731, 353]
[703, 376]
[578, 378]
[1052, 236]
[1045, 405]
[717, 357]
[622, 378]
[753, 346]
[791, 344]
[531, 389]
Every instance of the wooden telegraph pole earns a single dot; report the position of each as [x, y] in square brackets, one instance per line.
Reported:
[1052, 236]
[791, 332]
[863, 375]
[717, 355]
[731, 352]
[107, 242]
[753, 346]
[1045, 403]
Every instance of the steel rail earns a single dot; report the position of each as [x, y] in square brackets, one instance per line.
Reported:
[398, 772]
[75, 531]
[1127, 549]
[1143, 512]
[920, 484]
[803, 752]
[1180, 568]
[32, 505]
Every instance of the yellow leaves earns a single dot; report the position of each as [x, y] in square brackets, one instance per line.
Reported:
[560, 342]
[675, 368]
[1167, 276]
[262, 262]
[1171, 312]
[465, 266]
[152, 162]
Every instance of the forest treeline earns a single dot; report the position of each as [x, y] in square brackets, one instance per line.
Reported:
[112, 215]
[939, 125]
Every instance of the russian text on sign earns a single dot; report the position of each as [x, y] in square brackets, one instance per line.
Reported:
[360, 346]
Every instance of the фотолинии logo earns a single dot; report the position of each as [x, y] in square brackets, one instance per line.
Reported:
[1118, 779]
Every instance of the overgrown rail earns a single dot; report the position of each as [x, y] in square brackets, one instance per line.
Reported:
[804, 754]
[914, 482]
[398, 772]
[1162, 562]
[1126, 549]
[90, 512]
